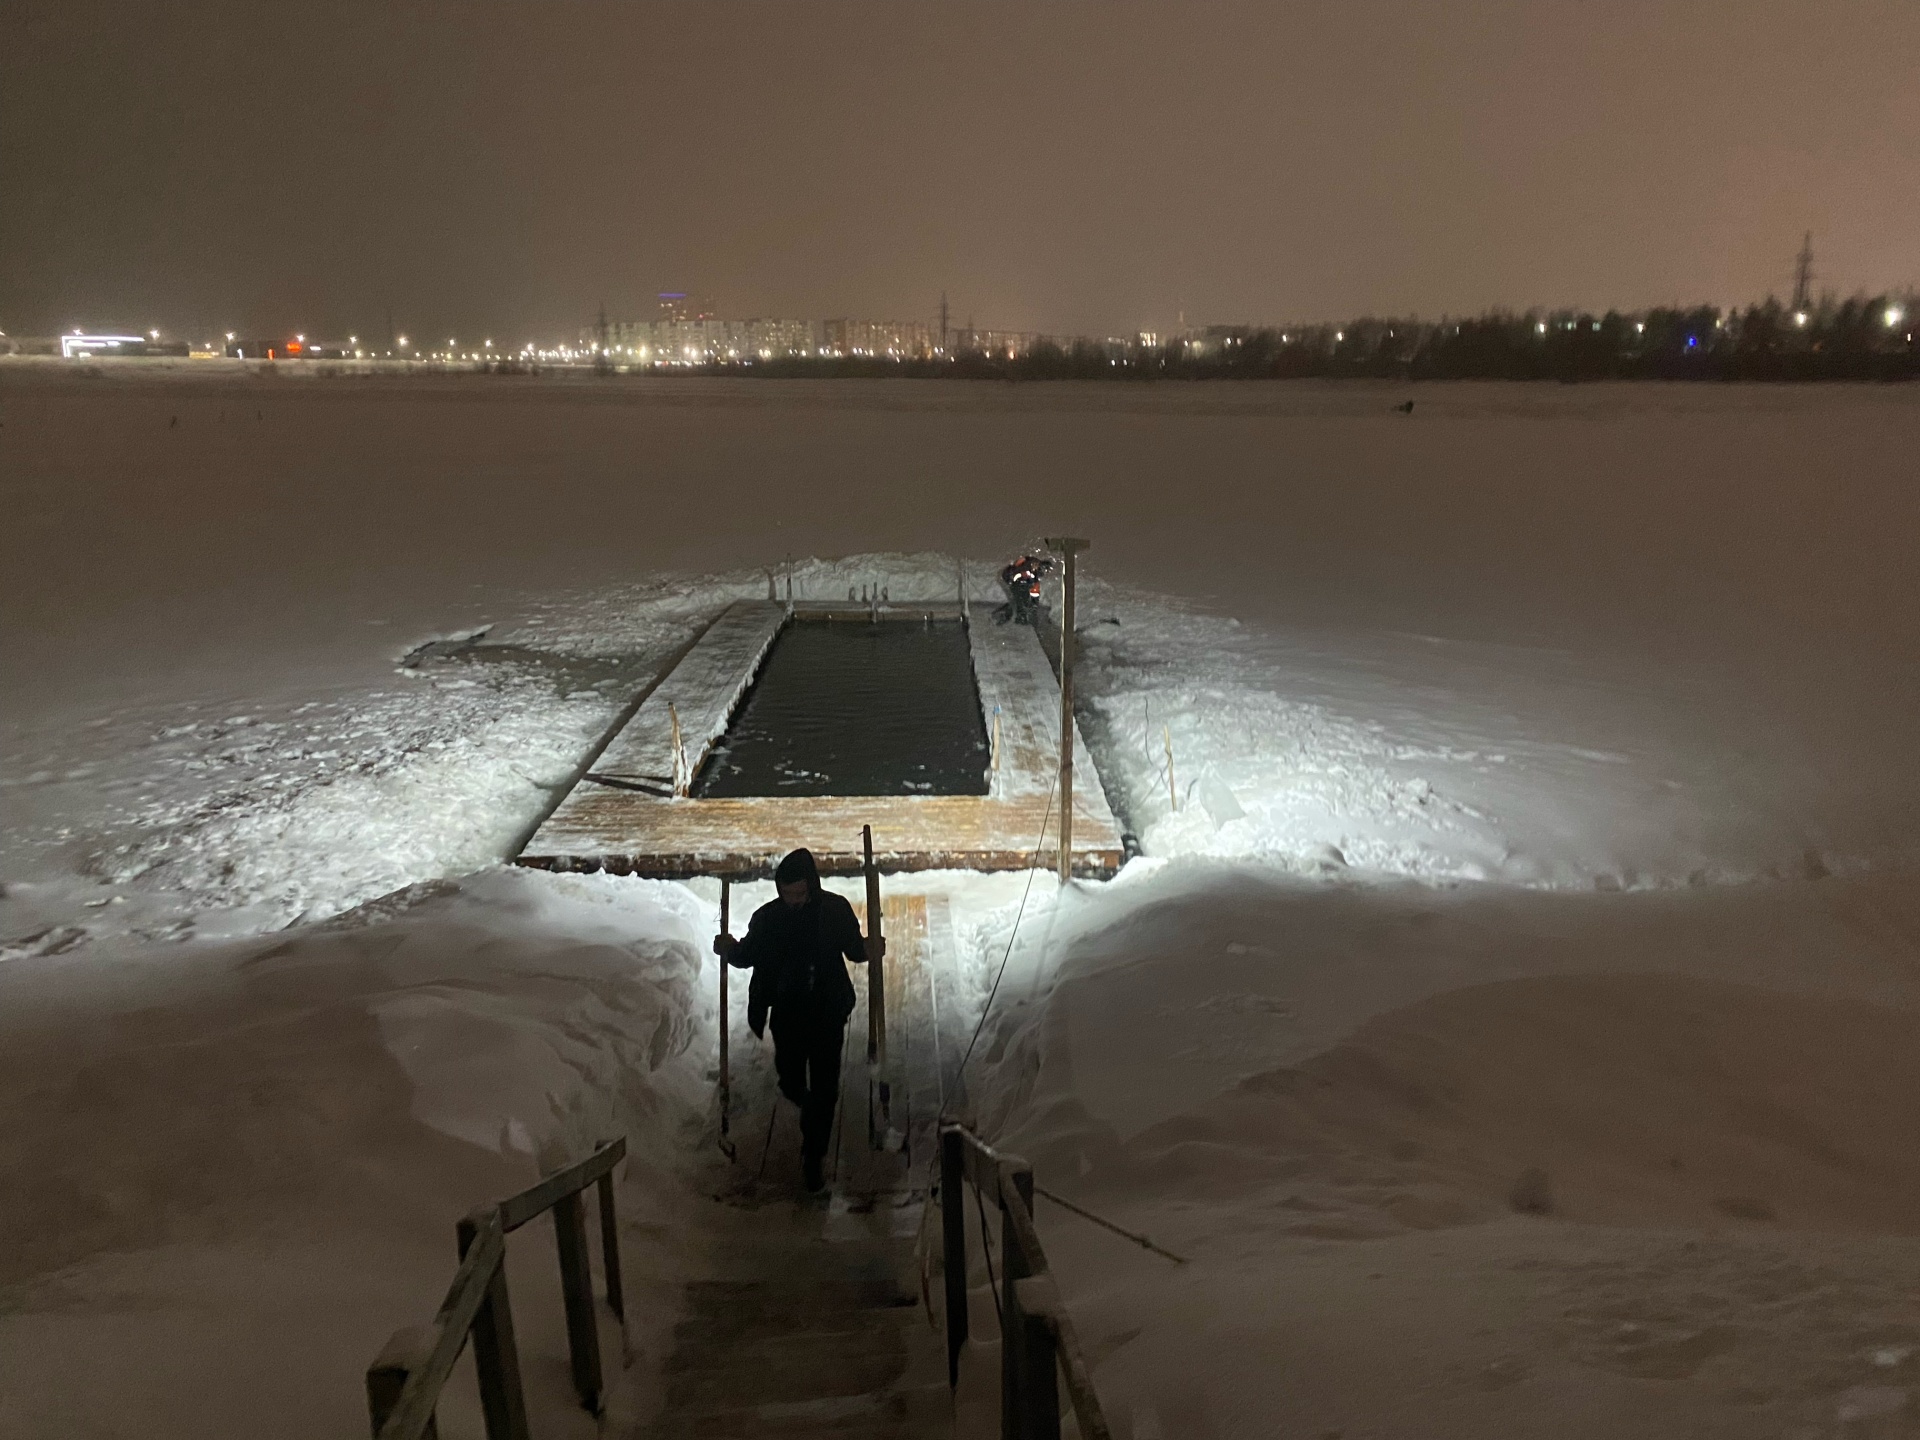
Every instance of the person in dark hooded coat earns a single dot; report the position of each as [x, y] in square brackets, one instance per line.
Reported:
[795, 946]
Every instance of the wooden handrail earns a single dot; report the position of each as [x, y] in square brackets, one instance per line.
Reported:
[517, 1210]
[419, 1392]
[1036, 1333]
[405, 1379]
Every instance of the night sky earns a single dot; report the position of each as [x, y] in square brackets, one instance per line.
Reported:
[1095, 168]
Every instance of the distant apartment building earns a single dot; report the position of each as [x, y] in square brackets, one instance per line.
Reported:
[894, 339]
[1009, 343]
[682, 340]
[678, 338]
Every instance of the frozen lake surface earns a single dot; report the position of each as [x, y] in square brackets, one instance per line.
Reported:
[1643, 633]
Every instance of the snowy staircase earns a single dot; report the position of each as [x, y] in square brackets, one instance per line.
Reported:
[819, 1331]
[809, 1319]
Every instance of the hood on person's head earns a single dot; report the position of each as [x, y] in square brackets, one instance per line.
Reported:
[799, 865]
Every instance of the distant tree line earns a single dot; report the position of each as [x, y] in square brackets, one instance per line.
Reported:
[1862, 338]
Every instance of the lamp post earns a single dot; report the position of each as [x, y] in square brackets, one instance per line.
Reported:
[1067, 547]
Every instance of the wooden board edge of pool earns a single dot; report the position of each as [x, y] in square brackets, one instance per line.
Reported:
[624, 818]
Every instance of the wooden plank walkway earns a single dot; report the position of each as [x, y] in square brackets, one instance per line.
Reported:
[808, 1320]
[704, 689]
[624, 817]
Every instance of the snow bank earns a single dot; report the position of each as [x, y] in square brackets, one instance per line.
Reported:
[1419, 757]
[1473, 1159]
[233, 1169]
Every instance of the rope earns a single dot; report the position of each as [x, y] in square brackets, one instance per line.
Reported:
[1135, 1236]
[767, 1149]
[1046, 818]
[986, 1249]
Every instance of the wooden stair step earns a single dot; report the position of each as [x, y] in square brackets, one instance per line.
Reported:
[890, 1415]
[720, 1329]
[793, 1374]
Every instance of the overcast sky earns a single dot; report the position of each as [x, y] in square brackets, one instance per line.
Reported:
[1077, 167]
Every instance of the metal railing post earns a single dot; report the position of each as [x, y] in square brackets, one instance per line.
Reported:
[576, 1288]
[496, 1358]
[953, 1233]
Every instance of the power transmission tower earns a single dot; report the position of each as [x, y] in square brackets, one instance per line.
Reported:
[1803, 275]
[943, 322]
[603, 351]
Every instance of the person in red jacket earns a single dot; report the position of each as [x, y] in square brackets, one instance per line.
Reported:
[1021, 580]
[795, 946]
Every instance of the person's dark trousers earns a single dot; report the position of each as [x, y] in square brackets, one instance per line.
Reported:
[806, 1057]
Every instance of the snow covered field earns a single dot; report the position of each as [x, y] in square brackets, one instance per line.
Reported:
[1540, 834]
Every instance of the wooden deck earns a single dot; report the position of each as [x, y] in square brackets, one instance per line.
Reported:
[625, 818]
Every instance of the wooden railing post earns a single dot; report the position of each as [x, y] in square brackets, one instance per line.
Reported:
[1016, 1188]
[876, 947]
[876, 957]
[953, 1233]
[406, 1352]
[1067, 547]
[1039, 1397]
[496, 1358]
[726, 1013]
[576, 1288]
[405, 1379]
[1038, 1342]
[610, 1252]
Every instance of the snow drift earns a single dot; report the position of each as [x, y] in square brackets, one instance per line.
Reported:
[231, 1170]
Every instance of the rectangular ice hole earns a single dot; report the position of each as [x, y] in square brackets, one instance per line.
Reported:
[857, 707]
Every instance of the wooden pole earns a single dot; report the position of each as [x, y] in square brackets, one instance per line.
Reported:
[953, 1236]
[876, 977]
[1015, 1175]
[610, 1255]
[496, 1357]
[681, 780]
[1068, 547]
[726, 1019]
[576, 1294]
[405, 1353]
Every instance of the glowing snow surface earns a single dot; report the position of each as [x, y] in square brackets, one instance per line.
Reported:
[1507, 1016]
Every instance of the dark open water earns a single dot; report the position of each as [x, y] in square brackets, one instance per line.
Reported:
[850, 707]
